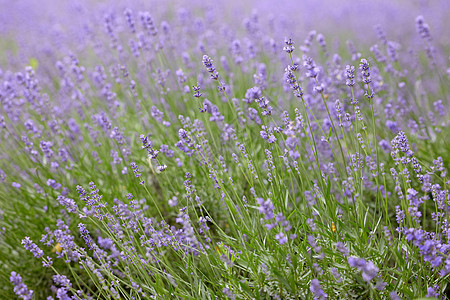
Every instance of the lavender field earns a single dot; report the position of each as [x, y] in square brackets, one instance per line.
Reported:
[224, 149]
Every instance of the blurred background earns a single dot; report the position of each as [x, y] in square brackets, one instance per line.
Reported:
[37, 28]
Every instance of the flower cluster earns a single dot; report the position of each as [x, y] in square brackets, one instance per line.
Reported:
[367, 268]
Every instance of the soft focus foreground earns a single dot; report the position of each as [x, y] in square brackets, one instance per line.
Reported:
[241, 150]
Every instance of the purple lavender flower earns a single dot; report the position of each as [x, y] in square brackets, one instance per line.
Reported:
[146, 144]
[289, 48]
[47, 263]
[105, 243]
[161, 168]
[266, 207]
[148, 24]
[380, 285]
[336, 275]
[196, 89]
[369, 271]
[317, 268]
[228, 133]
[207, 62]
[317, 290]
[173, 201]
[252, 94]
[423, 29]
[367, 268]
[281, 238]
[364, 67]
[292, 80]
[399, 215]
[20, 288]
[228, 293]
[311, 224]
[312, 242]
[310, 65]
[213, 110]
[400, 142]
[129, 17]
[340, 246]
[32, 247]
[432, 292]
[321, 40]
[350, 75]
[393, 295]
[85, 235]
[53, 184]
[69, 204]
[46, 148]
[356, 262]
[62, 280]
[439, 107]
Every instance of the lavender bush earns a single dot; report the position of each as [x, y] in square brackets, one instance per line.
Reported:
[225, 150]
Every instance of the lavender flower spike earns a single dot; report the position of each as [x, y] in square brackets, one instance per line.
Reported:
[364, 67]
[316, 289]
[350, 75]
[289, 48]
[20, 288]
[207, 62]
[29, 245]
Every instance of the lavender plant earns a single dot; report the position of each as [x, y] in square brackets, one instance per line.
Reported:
[199, 151]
